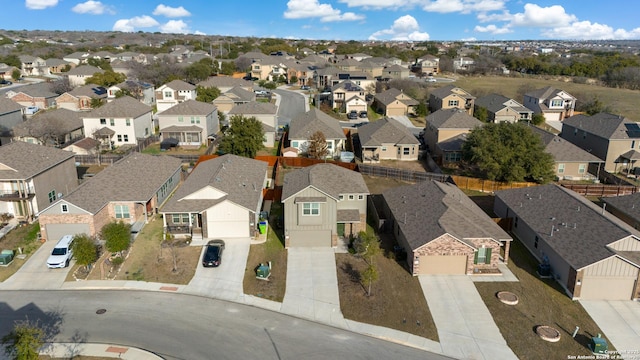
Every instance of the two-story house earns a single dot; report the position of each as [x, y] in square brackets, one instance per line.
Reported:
[445, 132]
[33, 66]
[395, 72]
[429, 64]
[553, 103]
[34, 176]
[78, 76]
[37, 95]
[174, 92]
[450, 97]
[347, 96]
[120, 122]
[322, 203]
[306, 124]
[386, 139]
[266, 113]
[191, 122]
[502, 109]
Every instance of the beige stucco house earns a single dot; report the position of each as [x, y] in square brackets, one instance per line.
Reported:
[451, 97]
[386, 139]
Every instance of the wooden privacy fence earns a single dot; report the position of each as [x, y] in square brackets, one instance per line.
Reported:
[601, 190]
[400, 174]
[483, 185]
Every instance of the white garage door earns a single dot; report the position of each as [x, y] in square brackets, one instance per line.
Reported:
[56, 231]
[443, 264]
[227, 229]
[607, 288]
[395, 111]
[315, 238]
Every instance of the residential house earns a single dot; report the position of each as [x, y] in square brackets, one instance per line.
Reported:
[78, 76]
[263, 68]
[6, 71]
[624, 207]
[348, 64]
[130, 190]
[120, 122]
[463, 63]
[371, 67]
[33, 66]
[301, 72]
[266, 113]
[553, 103]
[233, 97]
[56, 127]
[57, 66]
[304, 125]
[429, 64]
[322, 203]
[612, 138]
[10, 116]
[137, 89]
[395, 72]
[77, 57]
[220, 199]
[79, 98]
[348, 93]
[37, 95]
[570, 161]
[592, 254]
[394, 102]
[386, 139]
[324, 77]
[443, 231]
[450, 97]
[191, 122]
[84, 146]
[174, 92]
[226, 83]
[502, 109]
[445, 128]
[33, 176]
[131, 56]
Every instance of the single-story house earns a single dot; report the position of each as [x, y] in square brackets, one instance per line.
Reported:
[394, 102]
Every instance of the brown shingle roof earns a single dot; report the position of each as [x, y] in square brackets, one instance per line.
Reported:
[190, 107]
[20, 160]
[452, 119]
[330, 179]
[385, 131]
[123, 107]
[306, 124]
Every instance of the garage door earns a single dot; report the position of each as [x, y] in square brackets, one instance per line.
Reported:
[227, 229]
[395, 111]
[56, 231]
[607, 288]
[317, 238]
[441, 264]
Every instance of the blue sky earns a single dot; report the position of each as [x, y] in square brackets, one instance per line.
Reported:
[415, 20]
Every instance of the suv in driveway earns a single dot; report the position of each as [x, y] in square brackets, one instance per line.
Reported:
[62, 253]
[352, 115]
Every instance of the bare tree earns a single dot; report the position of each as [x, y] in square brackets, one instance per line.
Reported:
[46, 131]
[317, 147]
[243, 63]
[61, 86]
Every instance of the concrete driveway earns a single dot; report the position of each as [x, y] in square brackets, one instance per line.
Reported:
[620, 321]
[312, 286]
[465, 327]
[35, 274]
[225, 281]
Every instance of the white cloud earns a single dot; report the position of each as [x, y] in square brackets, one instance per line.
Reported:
[492, 29]
[536, 16]
[586, 30]
[302, 9]
[381, 4]
[404, 28]
[175, 27]
[198, 32]
[40, 4]
[130, 25]
[171, 12]
[92, 7]
[463, 6]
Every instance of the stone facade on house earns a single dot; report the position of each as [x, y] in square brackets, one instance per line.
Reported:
[448, 245]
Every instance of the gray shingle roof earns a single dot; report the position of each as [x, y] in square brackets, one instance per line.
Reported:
[544, 93]
[137, 177]
[254, 108]
[42, 90]
[190, 107]
[492, 102]
[123, 107]
[8, 106]
[86, 70]
[385, 131]
[86, 143]
[561, 149]
[241, 93]
[330, 179]
[21, 161]
[225, 81]
[604, 125]
[64, 120]
[430, 209]
[240, 178]
[180, 85]
[304, 125]
[391, 95]
[551, 206]
[452, 119]
[447, 90]
[627, 204]
[89, 90]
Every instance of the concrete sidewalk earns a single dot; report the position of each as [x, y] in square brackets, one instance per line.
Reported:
[620, 321]
[465, 327]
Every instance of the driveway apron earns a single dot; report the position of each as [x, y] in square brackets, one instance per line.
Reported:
[465, 327]
[312, 286]
[35, 274]
[620, 321]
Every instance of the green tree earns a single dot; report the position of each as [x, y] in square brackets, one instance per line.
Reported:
[207, 94]
[84, 250]
[368, 247]
[24, 341]
[106, 79]
[96, 103]
[508, 152]
[103, 64]
[227, 68]
[117, 236]
[537, 119]
[270, 85]
[199, 71]
[481, 114]
[293, 79]
[12, 60]
[244, 137]
[16, 74]
[421, 109]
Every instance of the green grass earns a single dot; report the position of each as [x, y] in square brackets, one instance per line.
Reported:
[153, 149]
[24, 237]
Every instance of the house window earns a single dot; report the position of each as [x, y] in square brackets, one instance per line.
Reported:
[406, 151]
[582, 168]
[633, 144]
[168, 94]
[193, 120]
[311, 209]
[119, 138]
[560, 168]
[556, 103]
[384, 148]
[122, 212]
[52, 196]
[126, 138]
[483, 256]
[112, 122]
[535, 242]
[103, 121]
[128, 122]
[360, 197]
[64, 208]
[294, 144]
[453, 103]
[398, 151]
[180, 119]
[329, 145]
[351, 197]
[185, 218]
[340, 197]
[146, 131]
[175, 218]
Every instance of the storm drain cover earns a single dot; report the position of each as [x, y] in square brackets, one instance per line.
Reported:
[101, 311]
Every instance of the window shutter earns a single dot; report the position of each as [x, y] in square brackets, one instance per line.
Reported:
[487, 259]
[475, 257]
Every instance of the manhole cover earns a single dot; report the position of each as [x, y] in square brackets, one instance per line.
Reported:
[101, 311]
[548, 333]
[507, 297]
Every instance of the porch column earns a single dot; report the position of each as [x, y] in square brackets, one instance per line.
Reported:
[506, 252]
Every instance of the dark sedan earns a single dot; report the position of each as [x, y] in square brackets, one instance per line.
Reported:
[213, 253]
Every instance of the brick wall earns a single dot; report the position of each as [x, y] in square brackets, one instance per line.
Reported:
[448, 245]
[65, 219]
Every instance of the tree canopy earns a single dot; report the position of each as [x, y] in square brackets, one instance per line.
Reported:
[317, 148]
[207, 94]
[508, 152]
[117, 236]
[84, 250]
[244, 137]
[106, 79]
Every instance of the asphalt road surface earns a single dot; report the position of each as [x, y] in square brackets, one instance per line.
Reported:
[178, 326]
[291, 105]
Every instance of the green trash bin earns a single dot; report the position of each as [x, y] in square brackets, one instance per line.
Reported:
[6, 257]
[262, 227]
[598, 345]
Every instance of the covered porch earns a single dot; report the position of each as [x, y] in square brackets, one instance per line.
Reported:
[186, 135]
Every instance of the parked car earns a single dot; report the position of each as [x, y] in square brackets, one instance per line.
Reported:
[262, 93]
[61, 253]
[305, 87]
[352, 115]
[213, 253]
[5, 82]
[431, 79]
[363, 114]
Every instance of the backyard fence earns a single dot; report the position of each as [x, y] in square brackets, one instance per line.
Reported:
[601, 190]
[400, 174]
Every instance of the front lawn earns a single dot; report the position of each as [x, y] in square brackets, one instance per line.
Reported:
[24, 237]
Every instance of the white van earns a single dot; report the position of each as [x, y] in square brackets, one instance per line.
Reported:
[62, 253]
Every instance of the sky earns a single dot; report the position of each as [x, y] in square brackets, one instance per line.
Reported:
[414, 20]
